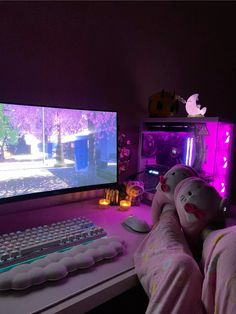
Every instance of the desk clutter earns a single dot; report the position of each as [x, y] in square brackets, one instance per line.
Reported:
[127, 195]
[58, 265]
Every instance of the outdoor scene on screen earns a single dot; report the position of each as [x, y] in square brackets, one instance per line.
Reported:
[45, 149]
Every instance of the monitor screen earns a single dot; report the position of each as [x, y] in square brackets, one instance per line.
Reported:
[48, 150]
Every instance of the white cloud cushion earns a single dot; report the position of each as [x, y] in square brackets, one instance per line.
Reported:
[56, 265]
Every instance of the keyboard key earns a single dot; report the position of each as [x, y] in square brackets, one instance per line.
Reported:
[26, 244]
[5, 256]
[38, 247]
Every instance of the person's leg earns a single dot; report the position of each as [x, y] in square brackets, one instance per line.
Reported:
[219, 286]
[167, 270]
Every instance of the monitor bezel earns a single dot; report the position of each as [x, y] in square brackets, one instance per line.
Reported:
[38, 195]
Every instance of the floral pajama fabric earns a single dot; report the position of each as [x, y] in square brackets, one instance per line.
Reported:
[172, 278]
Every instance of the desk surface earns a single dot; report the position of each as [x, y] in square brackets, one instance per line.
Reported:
[81, 290]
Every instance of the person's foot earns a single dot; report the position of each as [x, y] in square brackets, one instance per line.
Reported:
[168, 208]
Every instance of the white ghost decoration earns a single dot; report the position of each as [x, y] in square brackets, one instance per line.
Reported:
[193, 109]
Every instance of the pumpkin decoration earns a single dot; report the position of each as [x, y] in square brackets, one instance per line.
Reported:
[163, 104]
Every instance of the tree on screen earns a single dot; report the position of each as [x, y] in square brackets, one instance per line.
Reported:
[63, 122]
[60, 123]
[8, 135]
[54, 124]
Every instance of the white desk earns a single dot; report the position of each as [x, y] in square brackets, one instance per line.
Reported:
[82, 290]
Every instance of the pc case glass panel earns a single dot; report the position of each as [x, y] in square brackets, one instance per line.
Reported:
[204, 145]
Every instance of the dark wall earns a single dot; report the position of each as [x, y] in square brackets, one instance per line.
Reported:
[114, 55]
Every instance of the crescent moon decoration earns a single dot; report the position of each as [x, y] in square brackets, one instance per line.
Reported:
[192, 106]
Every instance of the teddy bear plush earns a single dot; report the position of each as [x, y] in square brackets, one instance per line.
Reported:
[164, 195]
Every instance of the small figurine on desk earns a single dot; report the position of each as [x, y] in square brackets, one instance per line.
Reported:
[134, 191]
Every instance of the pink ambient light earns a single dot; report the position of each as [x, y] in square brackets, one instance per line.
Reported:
[189, 152]
[217, 154]
[225, 162]
[227, 137]
[205, 145]
[223, 149]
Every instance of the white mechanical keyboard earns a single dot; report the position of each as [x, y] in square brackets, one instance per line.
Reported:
[30, 244]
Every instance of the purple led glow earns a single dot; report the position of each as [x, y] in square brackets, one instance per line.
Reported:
[189, 152]
[227, 137]
[207, 148]
[222, 191]
[225, 163]
[210, 140]
[217, 154]
[221, 173]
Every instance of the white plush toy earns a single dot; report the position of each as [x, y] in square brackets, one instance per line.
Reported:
[198, 205]
[165, 189]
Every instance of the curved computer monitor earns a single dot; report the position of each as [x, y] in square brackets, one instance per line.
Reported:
[49, 151]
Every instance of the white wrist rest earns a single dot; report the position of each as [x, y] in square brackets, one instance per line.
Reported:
[58, 265]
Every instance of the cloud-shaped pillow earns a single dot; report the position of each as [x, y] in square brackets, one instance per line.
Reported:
[56, 266]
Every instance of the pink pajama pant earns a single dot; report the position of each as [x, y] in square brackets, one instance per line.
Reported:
[172, 278]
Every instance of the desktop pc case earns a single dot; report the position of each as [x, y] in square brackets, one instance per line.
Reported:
[206, 144]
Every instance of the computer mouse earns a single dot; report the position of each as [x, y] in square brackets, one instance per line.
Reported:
[136, 224]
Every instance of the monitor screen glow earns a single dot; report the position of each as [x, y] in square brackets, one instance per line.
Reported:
[48, 150]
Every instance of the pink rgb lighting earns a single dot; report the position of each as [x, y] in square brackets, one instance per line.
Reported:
[221, 176]
[189, 152]
[205, 146]
[218, 147]
[217, 154]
